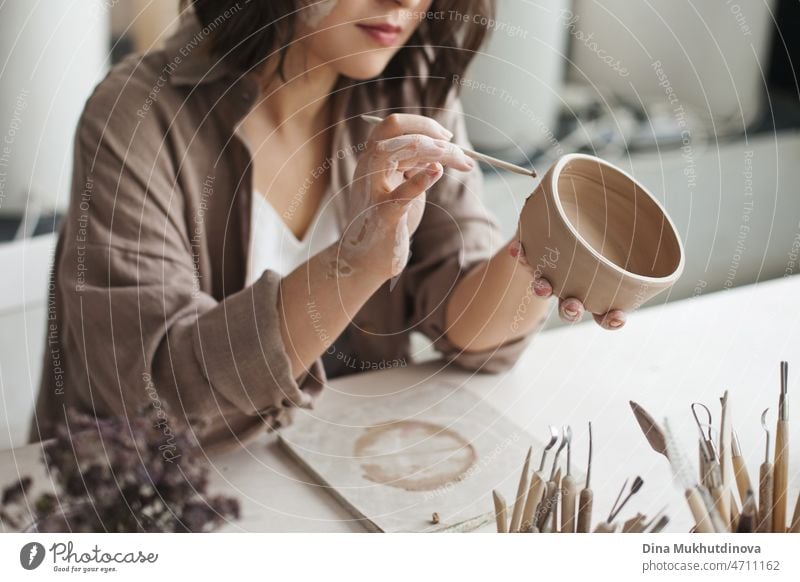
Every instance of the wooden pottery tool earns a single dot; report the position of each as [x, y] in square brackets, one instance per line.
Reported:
[747, 520]
[781, 465]
[500, 512]
[522, 491]
[652, 432]
[605, 527]
[551, 491]
[765, 484]
[696, 495]
[618, 506]
[554, 516]
[743, 483]
[537, 487]
[569, 492]
[725, 459]
[586, 498]
[795, 527]
[659, 525]
[492, 161]
[636, 524]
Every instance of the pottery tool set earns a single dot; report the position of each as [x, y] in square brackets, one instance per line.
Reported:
[552, 503]
[721, 495]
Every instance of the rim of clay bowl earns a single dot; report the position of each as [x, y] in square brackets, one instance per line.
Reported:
[563, 161]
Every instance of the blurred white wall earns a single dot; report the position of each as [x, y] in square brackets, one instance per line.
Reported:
[25, 266]
[511, 91]
[52, 54]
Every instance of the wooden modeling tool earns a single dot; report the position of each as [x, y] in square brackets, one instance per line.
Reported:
[636, 524]
[551, 491]
[725, 459]
[522, 491]
[492, 161]
[781, 465]
[659, 525]
[500, 512]
[652, 432]
[765, 484]
[586, 498]
[537, 487]
[554, 497]
[618, 506]
[696, 495]
[795, 527]
[569, 492]
[743, 483]
[747, 520]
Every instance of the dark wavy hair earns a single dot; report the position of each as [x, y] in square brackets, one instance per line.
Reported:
[439, 49]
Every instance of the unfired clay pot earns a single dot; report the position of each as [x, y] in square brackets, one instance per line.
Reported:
[598, 235]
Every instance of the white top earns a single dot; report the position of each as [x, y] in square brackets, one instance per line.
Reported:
[274, 247]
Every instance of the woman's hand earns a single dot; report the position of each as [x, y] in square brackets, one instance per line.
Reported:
[404, 157]
[570, 310]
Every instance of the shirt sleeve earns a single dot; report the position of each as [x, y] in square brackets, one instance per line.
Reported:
[456, 233]
[135, 317]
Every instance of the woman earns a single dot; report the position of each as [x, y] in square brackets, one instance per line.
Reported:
[237, 232]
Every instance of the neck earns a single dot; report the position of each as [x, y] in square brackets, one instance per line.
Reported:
[301, 100]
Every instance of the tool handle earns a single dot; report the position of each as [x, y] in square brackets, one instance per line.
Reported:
[699, 512]
[547, 506]
[535, 493]
[743, 483]
[721, 503]
[585, 511]
[500, 512]
[569, 494]
[554, 523]
[780, 477]
[735, 512]
[795, 527]
[519, 503]
[765, 489]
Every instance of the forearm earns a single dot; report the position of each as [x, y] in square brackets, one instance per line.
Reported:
[493, 304]
[318, 300]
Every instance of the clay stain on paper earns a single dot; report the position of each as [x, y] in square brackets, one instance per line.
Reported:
[414, 455]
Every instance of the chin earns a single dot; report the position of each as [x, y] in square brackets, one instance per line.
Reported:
[361, 69]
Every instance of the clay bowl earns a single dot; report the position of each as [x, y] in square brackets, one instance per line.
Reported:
[598, 235]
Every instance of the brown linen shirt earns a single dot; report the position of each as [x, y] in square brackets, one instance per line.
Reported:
[147, 304]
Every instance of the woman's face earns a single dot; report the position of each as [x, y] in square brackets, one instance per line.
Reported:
[358, 38]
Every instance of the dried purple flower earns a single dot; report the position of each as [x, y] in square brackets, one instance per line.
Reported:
[142, 474]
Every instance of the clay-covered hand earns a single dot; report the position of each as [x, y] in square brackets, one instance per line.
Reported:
[403, 158]
[570, 309]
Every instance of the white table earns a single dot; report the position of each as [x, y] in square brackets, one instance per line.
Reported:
[667, 357]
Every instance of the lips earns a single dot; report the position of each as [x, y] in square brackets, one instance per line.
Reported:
[384, 34]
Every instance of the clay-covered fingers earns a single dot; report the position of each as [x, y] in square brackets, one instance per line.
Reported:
[408, 151]
[418, 184]
[614, 319]
[570, 310]
[398, 124]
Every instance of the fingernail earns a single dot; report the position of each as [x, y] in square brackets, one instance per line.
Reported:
[572, 313]
[615, 323]
[448, 135]
[432, 170]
